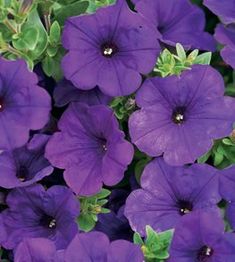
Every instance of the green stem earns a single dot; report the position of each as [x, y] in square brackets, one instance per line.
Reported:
[10, 26]
[47, 19]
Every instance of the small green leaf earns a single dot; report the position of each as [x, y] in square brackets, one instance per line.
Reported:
[203, 59]
[52, 50]
[137, 239]
[47, 66]
[139, 167]
[218, 159]
[102, 202]
[105, 210]
[103, 193]
[34, 21]
[27, 40]
[55, 32]
[192, 56]
[204, 158]
[86, 222]
[228, 142]
[181, 52]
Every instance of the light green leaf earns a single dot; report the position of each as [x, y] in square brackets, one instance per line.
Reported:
[181, 52]
[103, 193]
[55, 32]
[137, 239]
[203, 59]
[86, 222]
[27, 40]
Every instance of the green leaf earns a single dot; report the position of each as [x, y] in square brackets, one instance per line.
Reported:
[137, 239]
[105, 210]
[204, 158]
[102, 202]
[73, 9]
[103, 193]
[86, 222]
[51, 66]
[228, 142]
[218, 158]
[52, 50]
[181, 52]
[55, 32]
[152, 236]
[27, 39]
[95, 4]
[47, 65]
[139, 167]
[192, 56]
[203, 59]
[156, 245]
[34, 21]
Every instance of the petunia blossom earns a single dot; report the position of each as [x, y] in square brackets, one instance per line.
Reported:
[181, 115]
[110, 48]
[65, 92]
[200, 237]
[34, 212]
[227, 184]
[25, 165]
[24, 106]
[95, 246]
[168, 193]
[225, 35]
[36, 249]
[177, 23]
[225, 9]
[90, 147]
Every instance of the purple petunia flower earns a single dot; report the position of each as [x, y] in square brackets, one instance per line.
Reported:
[227, 185]
[200, 237]
[225, 9]
[90, 147]
[23, 104]
[65, 92]
[26, 165]
[226, 36]
[180, 116]
[177, 23]
[36, 249]
[110, 48]
[95, 246]
[168, 193]
[35, 213]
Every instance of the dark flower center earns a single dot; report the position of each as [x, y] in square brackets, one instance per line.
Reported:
[184, 207]
[48, 221]
[178, 115]
[103, 143]
[1, 104]
[204, 253]
[22, 173]
[109, 49]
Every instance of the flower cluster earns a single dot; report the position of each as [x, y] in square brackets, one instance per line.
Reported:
[116, 131]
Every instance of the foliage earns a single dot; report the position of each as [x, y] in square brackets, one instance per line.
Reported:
[170, 63]
[32, 30]
[222, 154]
[155, 246]
[90, 208]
